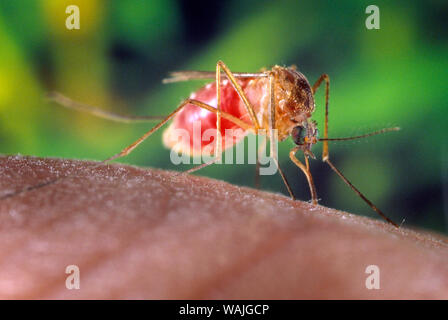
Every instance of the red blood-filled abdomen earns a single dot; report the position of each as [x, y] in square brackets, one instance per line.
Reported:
[186, 118]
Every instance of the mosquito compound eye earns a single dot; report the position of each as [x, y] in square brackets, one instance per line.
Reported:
[298, 135]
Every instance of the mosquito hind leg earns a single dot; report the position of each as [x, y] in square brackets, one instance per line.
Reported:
[197, 103]
[261, 149]
[134, 145]
[66, 102]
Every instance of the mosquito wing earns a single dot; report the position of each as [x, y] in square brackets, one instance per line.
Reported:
[178, 76]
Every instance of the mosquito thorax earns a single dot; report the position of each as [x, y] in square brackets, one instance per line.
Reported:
[294, 99]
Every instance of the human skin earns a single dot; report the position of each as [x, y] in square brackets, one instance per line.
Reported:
[152, 234]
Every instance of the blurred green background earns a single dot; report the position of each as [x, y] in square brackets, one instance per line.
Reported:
[395, 76]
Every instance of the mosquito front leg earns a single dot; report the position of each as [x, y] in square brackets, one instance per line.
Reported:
[326, 155]
[306, 170]
[362, 196]
[326, 78]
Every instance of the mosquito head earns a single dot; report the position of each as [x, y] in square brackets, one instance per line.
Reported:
[305, 134]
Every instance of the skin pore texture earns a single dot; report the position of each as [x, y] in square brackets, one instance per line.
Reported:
[152, 234]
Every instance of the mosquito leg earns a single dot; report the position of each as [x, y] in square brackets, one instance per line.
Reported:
[326, 155]
[178, 76]
[326, 78]
[71, 104]
[375, 208]
[306, 170]
[261, 149]
[285, 181]
[218, 146]
[197, 103]
[218, 138]
[220, 65]
[131, 147]
[272, 137]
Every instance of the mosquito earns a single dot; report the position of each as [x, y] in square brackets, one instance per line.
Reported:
[279, 100]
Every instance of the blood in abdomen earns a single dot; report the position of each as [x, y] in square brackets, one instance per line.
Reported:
[230, 103]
